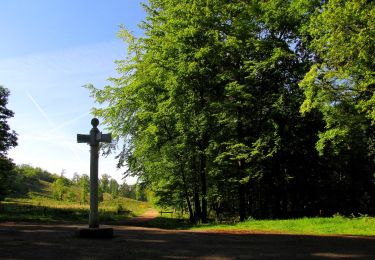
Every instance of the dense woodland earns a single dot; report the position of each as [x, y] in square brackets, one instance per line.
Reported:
[238, 109]
[260, 109]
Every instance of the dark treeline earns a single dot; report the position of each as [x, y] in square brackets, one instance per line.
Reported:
[258, 109]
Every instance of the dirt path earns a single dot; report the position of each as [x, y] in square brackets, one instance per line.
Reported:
[39, 241]
[147, 216]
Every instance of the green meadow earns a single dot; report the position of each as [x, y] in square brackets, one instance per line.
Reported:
[336, 225]
[51, 210]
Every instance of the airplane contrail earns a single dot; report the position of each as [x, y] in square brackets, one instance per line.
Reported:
[54, 128]
[44, 114]
[71, 121]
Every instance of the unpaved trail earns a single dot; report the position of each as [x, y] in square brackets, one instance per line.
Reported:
[57, 241]
[150, 214]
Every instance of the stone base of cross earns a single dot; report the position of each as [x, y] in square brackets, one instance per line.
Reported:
[93, 139]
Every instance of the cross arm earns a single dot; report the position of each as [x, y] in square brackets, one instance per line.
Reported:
[106, 138]
[83, 138]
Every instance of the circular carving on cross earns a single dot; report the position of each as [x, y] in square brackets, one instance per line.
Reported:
[94, 122]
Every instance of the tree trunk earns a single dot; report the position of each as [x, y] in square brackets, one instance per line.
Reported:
[203, 143]
[191, 214]
[197, 206]
[242, 203]
[240, 168]
[204, 186]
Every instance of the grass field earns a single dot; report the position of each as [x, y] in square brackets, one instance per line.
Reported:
[47, 209]
[337, 225]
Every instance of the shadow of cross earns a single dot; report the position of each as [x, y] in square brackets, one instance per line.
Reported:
[93, 139]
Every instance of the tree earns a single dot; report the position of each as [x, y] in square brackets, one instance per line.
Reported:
[84, 183]
[60, 188]
[195, 99]
[113, 188]
[140, 192]
[104, 183]
[127, 191]
[76, 178]
[8, 139]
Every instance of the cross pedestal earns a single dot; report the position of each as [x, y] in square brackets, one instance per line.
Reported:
[93, 139]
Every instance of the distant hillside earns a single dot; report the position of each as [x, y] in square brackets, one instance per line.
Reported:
[37, 195]
[25, 179]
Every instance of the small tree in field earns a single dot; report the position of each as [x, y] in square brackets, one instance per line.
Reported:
[84, 183]
[59, 188]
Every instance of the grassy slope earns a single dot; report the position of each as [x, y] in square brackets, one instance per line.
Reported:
[40, 206]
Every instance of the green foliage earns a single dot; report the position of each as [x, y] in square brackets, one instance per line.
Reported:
[340, 85]
[104, 183]
[24, 179]
[127, 191]
[140, 192]
[114, 188]
[8, 139]
[341, 82]
[84, 184]
[60, 188]
[6, 176]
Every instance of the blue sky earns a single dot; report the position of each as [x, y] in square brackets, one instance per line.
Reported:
[49, 49]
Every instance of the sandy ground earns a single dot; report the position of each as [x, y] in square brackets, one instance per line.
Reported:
[52, 241]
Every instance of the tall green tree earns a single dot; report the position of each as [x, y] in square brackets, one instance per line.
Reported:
[114, 188]
[60, 188]
[127, 191]
[104, 182]
[84, 183]
[202, 66]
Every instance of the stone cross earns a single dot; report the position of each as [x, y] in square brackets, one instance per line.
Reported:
[93, 139]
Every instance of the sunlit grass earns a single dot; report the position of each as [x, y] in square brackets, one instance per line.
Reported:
[337, 225]
[47, 209]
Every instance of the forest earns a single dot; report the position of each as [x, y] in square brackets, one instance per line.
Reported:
[261, 109]
[240, 110]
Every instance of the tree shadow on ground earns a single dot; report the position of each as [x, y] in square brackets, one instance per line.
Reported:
[39, 241]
